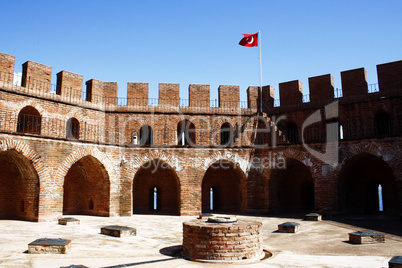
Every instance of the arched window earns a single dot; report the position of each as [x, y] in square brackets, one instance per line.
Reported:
[186, 133]
[340, 132]
[382, 124]
[291, 132]
[29, 121]
[146, 135]
[73, 129]
[226, 134]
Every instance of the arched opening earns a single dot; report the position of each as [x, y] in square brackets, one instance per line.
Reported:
[73, 129]
[156, 189]
[291, 190]
[359, 181]
[291, 132]
[382, 124]
[226, 134]
[262, 132]
[87, 188]
[228, 194]
[186, 133]
[340, 132]
[146, 135]
[29, 121]
[19, 187]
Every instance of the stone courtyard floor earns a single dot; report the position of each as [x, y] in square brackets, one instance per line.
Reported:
[317, 244]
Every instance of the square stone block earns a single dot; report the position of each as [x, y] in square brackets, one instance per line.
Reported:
[69, 221]
[49, 245]
[289, 227]
[366, 237]
[395, 262]
[118, 231]
[313, 217]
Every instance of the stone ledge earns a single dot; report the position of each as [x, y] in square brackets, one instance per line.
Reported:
[69, 221]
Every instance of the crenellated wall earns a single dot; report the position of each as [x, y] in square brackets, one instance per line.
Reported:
[102, 146]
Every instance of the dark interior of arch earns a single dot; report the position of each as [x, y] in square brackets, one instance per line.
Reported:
[29, 121]
[86, 188]
[19, 187]
[156, 174]
[358, 183]
[228, 193]
[291, 190]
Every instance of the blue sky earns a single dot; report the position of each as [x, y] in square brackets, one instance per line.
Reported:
[196, 42]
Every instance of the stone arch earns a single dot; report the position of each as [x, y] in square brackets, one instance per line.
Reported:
[359, 179]
[241, 162]
[20, 105]
[86, 188]
[291, 188]
[28, 165]
[80, 153]
[156, 175]
[29, 121]
[224, 188]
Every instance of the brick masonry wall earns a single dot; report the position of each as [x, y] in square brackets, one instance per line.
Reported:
[229, 242]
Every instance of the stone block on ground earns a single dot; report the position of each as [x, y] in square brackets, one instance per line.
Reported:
[69, 221]
[313, 217]
[49, 245]
[366, 237]
[118, 231]
[289, 227]
[395, 262]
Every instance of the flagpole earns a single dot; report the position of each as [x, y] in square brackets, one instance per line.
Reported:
[259, 37]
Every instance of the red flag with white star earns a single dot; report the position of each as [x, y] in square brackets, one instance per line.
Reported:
[249, 40]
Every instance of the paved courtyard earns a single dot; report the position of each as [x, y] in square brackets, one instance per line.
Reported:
[317, 244]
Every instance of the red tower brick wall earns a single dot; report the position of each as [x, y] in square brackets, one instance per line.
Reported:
[321, 89]
[354, 84]
[36, 76]
[169, 94]
[137, 94]
[229, 96]
[69, 85]
[390, 78]
[199, 95]
[6, 68]
[290, 93]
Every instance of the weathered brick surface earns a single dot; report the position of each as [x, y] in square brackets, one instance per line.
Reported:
[242, 240]
[38, 169]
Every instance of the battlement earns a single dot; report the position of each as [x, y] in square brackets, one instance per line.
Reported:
[36, 78]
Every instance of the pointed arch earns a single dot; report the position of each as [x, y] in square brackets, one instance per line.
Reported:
[156, 183]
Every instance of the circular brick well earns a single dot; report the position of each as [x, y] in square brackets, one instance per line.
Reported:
[238, 241]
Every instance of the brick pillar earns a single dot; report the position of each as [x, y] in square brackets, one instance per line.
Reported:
[268, 98]
[291, 93]
[137, 94]
[321, 89]
[252, 97]
[199, 95]
[94, 91]
[229, 96]
[390, 78]
[169, 94]
[354, 83]
[69, 85]
[36, 76]
[7, 63]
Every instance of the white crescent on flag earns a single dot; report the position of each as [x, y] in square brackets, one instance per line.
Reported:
[252, 40]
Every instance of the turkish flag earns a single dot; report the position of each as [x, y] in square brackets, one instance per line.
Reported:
[249, 40]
